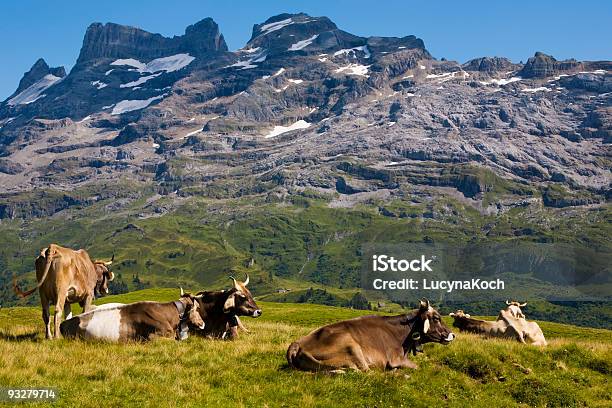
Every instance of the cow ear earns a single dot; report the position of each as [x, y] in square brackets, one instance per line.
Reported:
[230, 303]
[426, 326]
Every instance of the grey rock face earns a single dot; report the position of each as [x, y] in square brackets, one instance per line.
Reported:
[489, 65]
[542, 66]
[118, 41]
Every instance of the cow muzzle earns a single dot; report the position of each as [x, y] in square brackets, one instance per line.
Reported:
[257, 313]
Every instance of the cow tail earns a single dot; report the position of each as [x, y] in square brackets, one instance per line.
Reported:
[22, 294]
[292, 353]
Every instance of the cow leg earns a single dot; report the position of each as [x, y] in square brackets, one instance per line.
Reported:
[46, 315]
[358, 358]
[402, 362]
[87, 303]
[57, 317]
[68, 310]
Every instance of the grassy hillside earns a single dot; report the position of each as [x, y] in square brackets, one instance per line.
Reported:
[573, 371]
[297, 243]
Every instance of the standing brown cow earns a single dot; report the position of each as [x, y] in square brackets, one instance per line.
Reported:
[67, 276]
[370, 341]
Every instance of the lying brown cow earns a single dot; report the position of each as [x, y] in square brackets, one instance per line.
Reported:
[136, 321]
[67, 276]
[371, 341]
[465, 323]
[220, 310]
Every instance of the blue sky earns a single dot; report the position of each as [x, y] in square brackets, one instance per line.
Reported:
[456, 30]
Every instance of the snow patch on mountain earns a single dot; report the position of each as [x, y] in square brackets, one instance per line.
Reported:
[195, 132]
[139, 81]
[99, 84]
[277, 73]
[347, 51]
[354, 69]
[502, 81]
[303, 44]
[171, 63]
[279, 130]
[277, 25]
[250, 63]
[534, 90]
[34, 91]
[134, 104]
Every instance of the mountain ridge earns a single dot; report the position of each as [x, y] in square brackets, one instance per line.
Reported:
[301, 78]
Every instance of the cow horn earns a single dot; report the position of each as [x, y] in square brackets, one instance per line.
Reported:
[111, 276]
[424, 304]
[246, 282]
[182, 291]
[508, 302]
[523, 304]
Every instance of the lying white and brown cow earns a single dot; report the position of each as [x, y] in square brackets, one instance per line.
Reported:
[528, 332]
[369, 342]
[67, 276]
[508, 325]
[221, 310]
[136, 321]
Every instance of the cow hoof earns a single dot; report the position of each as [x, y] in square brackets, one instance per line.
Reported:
[334, 372]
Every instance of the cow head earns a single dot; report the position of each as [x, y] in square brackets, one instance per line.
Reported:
[459, 314]
[192, 309]
[240, 302]
[514, 309]
[459, 318]
[103, 276]
[431, 327]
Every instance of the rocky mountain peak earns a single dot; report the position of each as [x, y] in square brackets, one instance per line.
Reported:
[203, 36]
[298, 34]
[489, 64]
[37, 72]
[293, 32]
[542, 66]
[292, 23]
[118, 41]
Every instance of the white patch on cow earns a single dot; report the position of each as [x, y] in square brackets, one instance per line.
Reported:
[109, 306]
[426, 326]
[104, 324]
